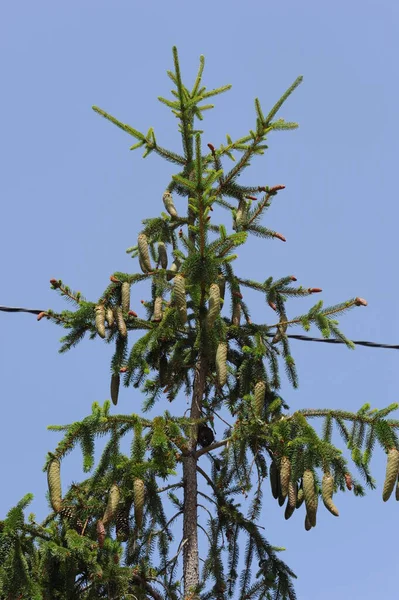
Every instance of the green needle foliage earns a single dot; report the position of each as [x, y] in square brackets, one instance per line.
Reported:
[177, 515]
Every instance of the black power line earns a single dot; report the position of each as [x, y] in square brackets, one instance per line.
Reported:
[302, 338]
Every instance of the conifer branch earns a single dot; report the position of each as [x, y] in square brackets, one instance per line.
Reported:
[212, 447]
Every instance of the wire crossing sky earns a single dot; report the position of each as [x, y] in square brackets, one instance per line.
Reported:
[73, 198]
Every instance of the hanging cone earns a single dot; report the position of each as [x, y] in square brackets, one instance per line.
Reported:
[138, 495]
[157, 316]
[144, 253]
[174, 267]
[222, 287]
[214, 304]
[122, 524]
[274, 480]
[285, 474]
[236, 316]
[180, 297]
[100, 320]
[300, 497]
[310, 496]
[221, 363]
[291, 502]
[120, 321]
[259, 398]
[292, 493]
[391, 473]
[308, 525]
[109, 315]
[115, 383]
[125, 296]
[327, 490]
[100, 533]
[162, 255]
[112, 504]
[54, 484]
[168, 202]
[68, 513]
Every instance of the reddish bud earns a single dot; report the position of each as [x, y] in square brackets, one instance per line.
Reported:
[208, 218]
[41, 315]
[114, 279]
[251, 197]
[280, 237]
[142, 301]
[272, 305]
[55, 283]
[180, 232]
[315, 290]
[348, 481]
[293, 278]
[238, 295]
[123, 370]
[131, 313]
[211, 148]
[276, 188]
[360, 302]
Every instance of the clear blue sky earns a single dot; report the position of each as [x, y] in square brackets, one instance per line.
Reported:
[73, 197]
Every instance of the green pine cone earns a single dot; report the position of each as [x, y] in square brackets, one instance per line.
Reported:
[112, 504]
[54, 484]
[327, 490]
[310, 495]
[157, 315]
[236, 316]
[168, 202]
[115, 383]
[285, 474]
[100, 533]
[138, 495]
[214, 304]
[180, 297]
[174, 267]
[391, 474]
[289, 509]
[100, 320]
[125, 296]
[300, 497]
[162, 255]
[292, 494]
[222, 287]
[144, 253]
[274, 480]
[259, 398]
[221, 363]
[120, 321]
[109, 315]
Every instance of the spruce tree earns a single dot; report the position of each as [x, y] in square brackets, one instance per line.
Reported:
[177, 515]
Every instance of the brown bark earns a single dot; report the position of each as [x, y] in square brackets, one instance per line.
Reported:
[190, 531]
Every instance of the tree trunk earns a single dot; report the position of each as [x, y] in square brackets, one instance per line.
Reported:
[190, 533]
